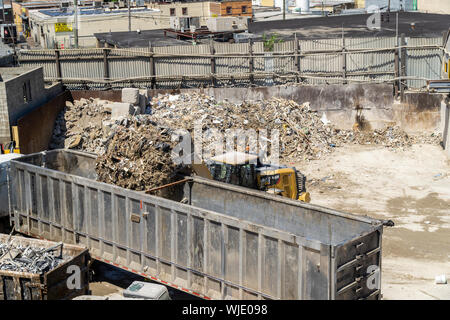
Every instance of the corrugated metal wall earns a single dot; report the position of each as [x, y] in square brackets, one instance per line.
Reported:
[423, 63]
[320, 61]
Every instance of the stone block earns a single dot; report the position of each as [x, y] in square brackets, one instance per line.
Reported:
[130, 95]
[120, 109]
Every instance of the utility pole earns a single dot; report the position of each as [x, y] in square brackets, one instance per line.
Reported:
[129, 15]
[10, 30]
[388, 10]
[75, 25]
[3, 11]
[284, 9]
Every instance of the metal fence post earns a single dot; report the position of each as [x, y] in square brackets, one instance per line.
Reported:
[403, 67]
[396, 67]
[106, 66]
[152, 67]
[344, 60]
[213, 63]
[297, 58]
[251, 62]
[58, 65]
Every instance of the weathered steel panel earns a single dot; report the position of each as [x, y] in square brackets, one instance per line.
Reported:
[369, 59]
[424, 64]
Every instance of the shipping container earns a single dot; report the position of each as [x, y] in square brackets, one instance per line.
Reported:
[51, 285]
[211, 239]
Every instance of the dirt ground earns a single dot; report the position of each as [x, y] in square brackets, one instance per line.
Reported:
[410, 187]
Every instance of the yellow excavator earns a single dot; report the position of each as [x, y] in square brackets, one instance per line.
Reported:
[247, 170]
[12, 146]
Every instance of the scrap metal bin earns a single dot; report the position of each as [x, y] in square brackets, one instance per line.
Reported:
[51, 285]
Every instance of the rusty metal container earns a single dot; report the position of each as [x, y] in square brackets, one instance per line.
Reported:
[51, 285]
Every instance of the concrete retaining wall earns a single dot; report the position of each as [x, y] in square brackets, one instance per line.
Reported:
[445, 114]
[36, 127]
[418, 111]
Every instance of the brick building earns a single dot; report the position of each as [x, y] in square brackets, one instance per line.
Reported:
[236, 8]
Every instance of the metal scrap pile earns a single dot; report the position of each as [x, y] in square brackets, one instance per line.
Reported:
[37, 260]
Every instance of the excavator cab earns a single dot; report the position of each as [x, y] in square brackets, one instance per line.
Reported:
[246, 169]
[234, 167]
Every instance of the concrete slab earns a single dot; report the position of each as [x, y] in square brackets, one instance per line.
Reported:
[120, 109]
[130, 95]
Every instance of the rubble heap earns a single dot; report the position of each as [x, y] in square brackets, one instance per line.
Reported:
[80, 126]
[392, 137]
[302, 133]
[138, 156]
[134, 152]
[135, 149]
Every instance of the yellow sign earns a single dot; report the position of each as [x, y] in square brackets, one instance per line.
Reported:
[63, 27]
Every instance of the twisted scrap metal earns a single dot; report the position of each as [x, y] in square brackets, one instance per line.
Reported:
[37, 260]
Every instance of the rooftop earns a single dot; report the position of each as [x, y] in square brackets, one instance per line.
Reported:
[125, 39]
[89, 11]
[8, 73]
[355, 26]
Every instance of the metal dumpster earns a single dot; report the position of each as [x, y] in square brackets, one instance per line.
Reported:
[211, 239]
[51, 285]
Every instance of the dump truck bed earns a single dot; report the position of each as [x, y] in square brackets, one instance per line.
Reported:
[211, 239]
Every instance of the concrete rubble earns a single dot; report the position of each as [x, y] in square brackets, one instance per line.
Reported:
[133, 138]
[137, 156]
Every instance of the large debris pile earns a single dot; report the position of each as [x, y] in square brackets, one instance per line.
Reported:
[80, 126]
[138, 155]
[302, 133]
[135, 149]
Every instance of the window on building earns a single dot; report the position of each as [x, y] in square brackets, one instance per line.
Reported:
[26, 88]
[244, 9]
[172, 11]
[184, 11]
[228, 10]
